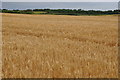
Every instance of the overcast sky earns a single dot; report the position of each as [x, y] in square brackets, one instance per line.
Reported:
[59, 0]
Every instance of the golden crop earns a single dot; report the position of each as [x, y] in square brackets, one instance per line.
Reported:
[59, 46]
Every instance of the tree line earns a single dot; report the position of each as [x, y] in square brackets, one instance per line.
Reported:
[62, 11]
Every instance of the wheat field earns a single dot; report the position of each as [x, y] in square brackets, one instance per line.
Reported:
[59, 46]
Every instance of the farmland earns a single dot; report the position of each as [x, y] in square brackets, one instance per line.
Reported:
[59, 46]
